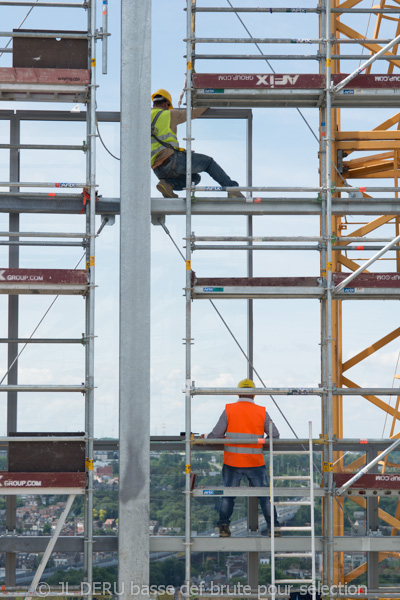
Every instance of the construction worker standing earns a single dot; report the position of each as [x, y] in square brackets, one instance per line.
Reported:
[243, 419]
[168, 161]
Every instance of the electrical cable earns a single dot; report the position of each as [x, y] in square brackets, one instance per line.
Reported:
[19, 26]
[345, 183]
[390, 398]
[240, 347]
[44, 316]
[273, 71]
[37, 327]
[366, 33]
[103, 144]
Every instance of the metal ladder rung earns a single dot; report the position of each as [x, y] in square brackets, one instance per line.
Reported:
[293, 554]
[301, 528]
[306, 532]
[295, 477]
[294, 502]
[293, 581]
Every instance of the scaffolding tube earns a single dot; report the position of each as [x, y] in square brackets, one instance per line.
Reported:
[369, 262]
[367, 467]
[362, 68]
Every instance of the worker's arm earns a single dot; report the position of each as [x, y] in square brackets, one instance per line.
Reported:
[178, 115]
[220, 428]
[268, 420]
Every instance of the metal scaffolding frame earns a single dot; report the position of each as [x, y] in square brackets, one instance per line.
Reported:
[327, 95]
[31, 92]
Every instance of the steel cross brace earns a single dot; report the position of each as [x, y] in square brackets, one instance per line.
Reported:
[50, 547]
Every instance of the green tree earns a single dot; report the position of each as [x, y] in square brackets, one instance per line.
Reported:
[46, 529]
[102, 515]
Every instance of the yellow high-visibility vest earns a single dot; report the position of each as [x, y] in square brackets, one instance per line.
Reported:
[162, 129]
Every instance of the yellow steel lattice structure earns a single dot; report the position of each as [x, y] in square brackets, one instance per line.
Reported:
[361, 156]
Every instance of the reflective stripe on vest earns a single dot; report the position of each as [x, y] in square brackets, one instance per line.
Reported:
[163, 131]
[242, 449]
[246, 421]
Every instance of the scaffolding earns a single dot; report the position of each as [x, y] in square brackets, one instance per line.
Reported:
[66, 73]
[329, 91]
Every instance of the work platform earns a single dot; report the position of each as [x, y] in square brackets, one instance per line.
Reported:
[296, 90]
[41, 483]
[44, 85]
[365, 287]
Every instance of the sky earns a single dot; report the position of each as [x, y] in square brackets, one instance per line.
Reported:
[287, 332]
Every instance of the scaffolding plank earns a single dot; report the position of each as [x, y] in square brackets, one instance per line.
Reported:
[220, 81]
[365, 286]
[54, 85]
[27, 75]
[370, 280]
[372, 481]
[292, 89]
[37, 481]
[43, 281]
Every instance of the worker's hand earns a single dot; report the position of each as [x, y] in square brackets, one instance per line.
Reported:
[203, 435]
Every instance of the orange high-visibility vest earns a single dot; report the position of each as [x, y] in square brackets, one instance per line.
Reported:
[245, 420]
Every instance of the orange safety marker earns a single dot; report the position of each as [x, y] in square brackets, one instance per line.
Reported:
[363, 441]
[257, 199]
[360, 247]
[52, 194]
[362, 189]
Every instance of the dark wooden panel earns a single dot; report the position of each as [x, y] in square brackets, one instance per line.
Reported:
[46, 457]
[50, 53]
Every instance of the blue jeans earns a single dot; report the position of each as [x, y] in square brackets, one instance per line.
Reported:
[257, 477]
[174, 172]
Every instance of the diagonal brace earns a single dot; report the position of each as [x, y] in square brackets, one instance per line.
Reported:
[367, 467]
[360, 69]
[50, 546]
[369, 262]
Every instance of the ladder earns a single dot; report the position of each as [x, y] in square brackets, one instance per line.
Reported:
[308, 553]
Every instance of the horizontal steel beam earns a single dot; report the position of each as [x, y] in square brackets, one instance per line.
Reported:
[103, 543]
[43, 388]
[299, 391]
[203, 544]
[159, 443]
[111, 116]
[72, 204]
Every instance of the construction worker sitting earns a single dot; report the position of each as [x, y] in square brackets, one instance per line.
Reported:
[243, 419]
[168, 161]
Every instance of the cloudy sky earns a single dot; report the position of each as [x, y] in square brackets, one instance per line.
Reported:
[287, 333]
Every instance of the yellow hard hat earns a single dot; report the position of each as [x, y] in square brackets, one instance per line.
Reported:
[165, 94]
[246, 383]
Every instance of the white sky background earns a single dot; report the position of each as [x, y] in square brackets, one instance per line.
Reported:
[287, 335]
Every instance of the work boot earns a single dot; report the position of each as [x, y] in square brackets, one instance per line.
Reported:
[276, 533]
[166, 189]
[235, 194]
[224, 530]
